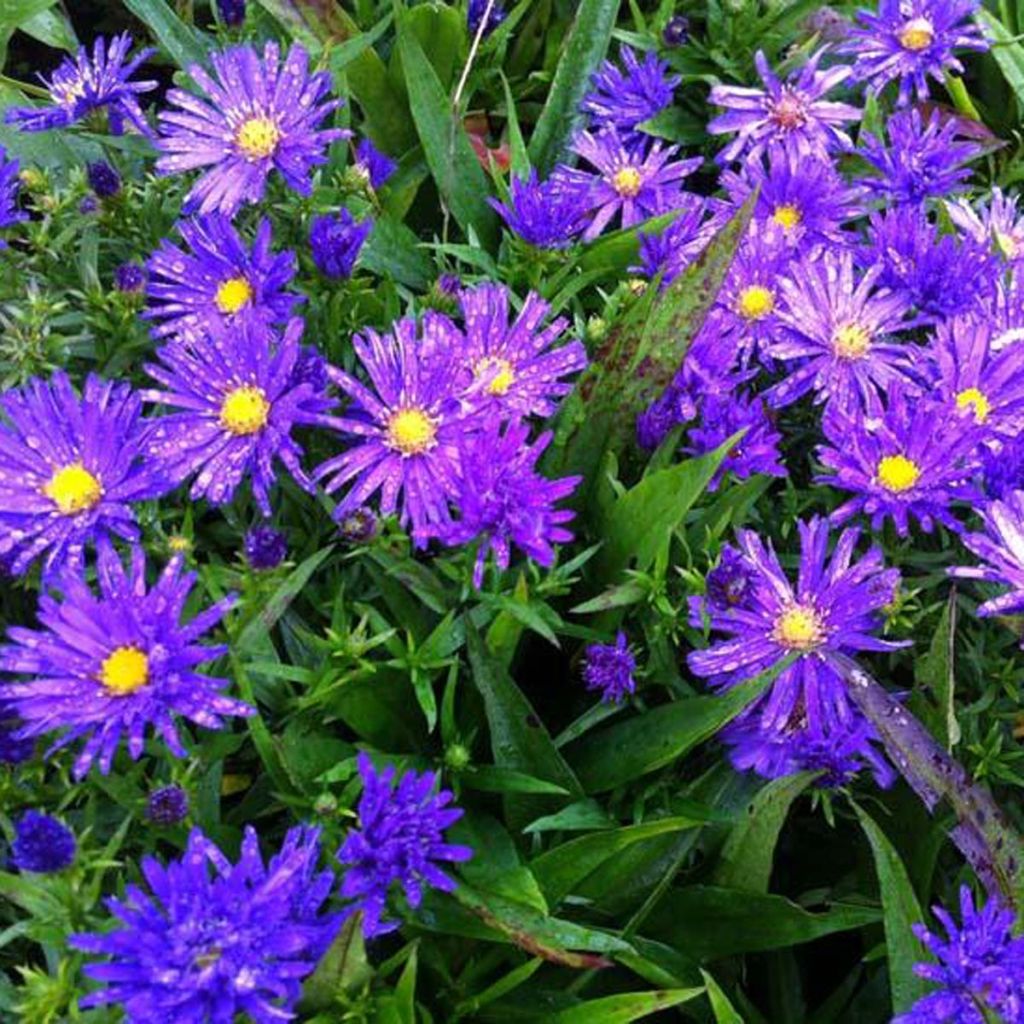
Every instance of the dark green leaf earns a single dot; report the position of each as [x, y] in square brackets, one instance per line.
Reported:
[344, 968]
[934, 681]
[185, 45]
[393, 250]
[621, 1009]
[1009, 53]
[489, 778]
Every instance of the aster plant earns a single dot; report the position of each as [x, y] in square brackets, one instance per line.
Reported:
[106, 665]
[609, 669]
[624, 97]
[214, 940]
[42, 844]
[335, 242]
[548, 215]
[257, 115]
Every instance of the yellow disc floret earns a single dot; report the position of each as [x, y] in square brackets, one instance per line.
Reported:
[627, 182]
[799, 628]
[756, 302]
[125, 670]
[897, 473]
[787, 216]
[244, 410]
[917, 34]
[851, 341]
[498, 373]
[257, 137]
[72, 488]
[233, 294]
[973, 399]
[411, 431]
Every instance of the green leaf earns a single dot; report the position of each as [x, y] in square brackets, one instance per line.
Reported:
[748, 853]
[623, 1008]
[935, 683]
[710, 922]
[627, 750]
[1008, 53]
[441, 32]
[343, 969]
[393, 250]
[459, 177]
[185, 45]
[584, 49]
[581, 816]
[559, 870]
[13, 14]
[518, 738]
[489, 778]
[901, 910]
[52, 28]
[720, 1005]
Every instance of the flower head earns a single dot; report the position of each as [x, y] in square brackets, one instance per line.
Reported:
[476, 11]
[910, 41]
[242, 393]
[834, 608]
[1003, 467]
[258, 116]
[400, 840]
[103, 179]
[42, 844]
[83, 84]
[167, 806]
[265, 547]
[623, 98]
[632, 181]
[792, 115]
[838, 333]
[130, 278]
[375, 166]
[502, 500]
[996, 221]
[216, 941]
[676, 31]
[979, 966]
[10, 188]
[219, 282]
[232, 12]
[609, 668]
[515, 367]
[70, 468]
[903, 460]
[672, 250]
[106, 666]
[336, 242]
[546, 214]
[923, 158]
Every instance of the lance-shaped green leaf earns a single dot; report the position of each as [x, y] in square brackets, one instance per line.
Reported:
[343, 969]
[185, 44]
[982, 833]
[935, 683]
[1008, 52]
[623, 1008]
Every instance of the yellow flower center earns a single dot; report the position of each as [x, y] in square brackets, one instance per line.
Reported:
[756, 302]
[499, 373]
[787, 216]
[799, 628]
[973, 399]
[232, 295]
[851, 341]
[125, 670]
[244, 410]
[917, 34]
[627, 182]
[257, 137]
[411, 431]
[179, 544]
[897, 473]
[73, 488]
[1007, 245]
[68, 95]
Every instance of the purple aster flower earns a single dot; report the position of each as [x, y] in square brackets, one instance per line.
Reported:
[975, 382]
[449, 285]
[400, 839]
[241, 398]
[674, 407]
[836, 333]
[514, 367]
[358, 527]
[632, 181]
[731, 583]
[42, 844]
[624, 99]
[912, 41]
[232, 12]
[219, 282]
[130, 278]
[828, 24]
[258, 116]
[900, 461]
[336, 242]
[805, 199]
[922, 158]
[938, 275]
[674, 248]
[70, 467]
[88, 205]
[545, 214]
[1002, 465]
[216, 941]
[676, 31]
[167, 806]
[609, 668]
[105, 667]
[476, 11]
[82, 85]
[996, 221]
[10, 187]
[404, 428]
[757, 451]
[1001, 550]
[103, 179]
[502, 500]
[372, 164]
[265, 547]
[834, 608]
[1003, 308]
[792, 115]
[979, 970]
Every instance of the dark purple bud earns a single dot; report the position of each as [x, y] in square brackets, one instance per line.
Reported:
[42, 844]
[265, 547]
[12, 749]
[167, 805]
[88, 205]
[359, 526]
[677, 31]
[336, 242]
[449, 284]
[232, 12]
[130, 277]
[103, 179]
